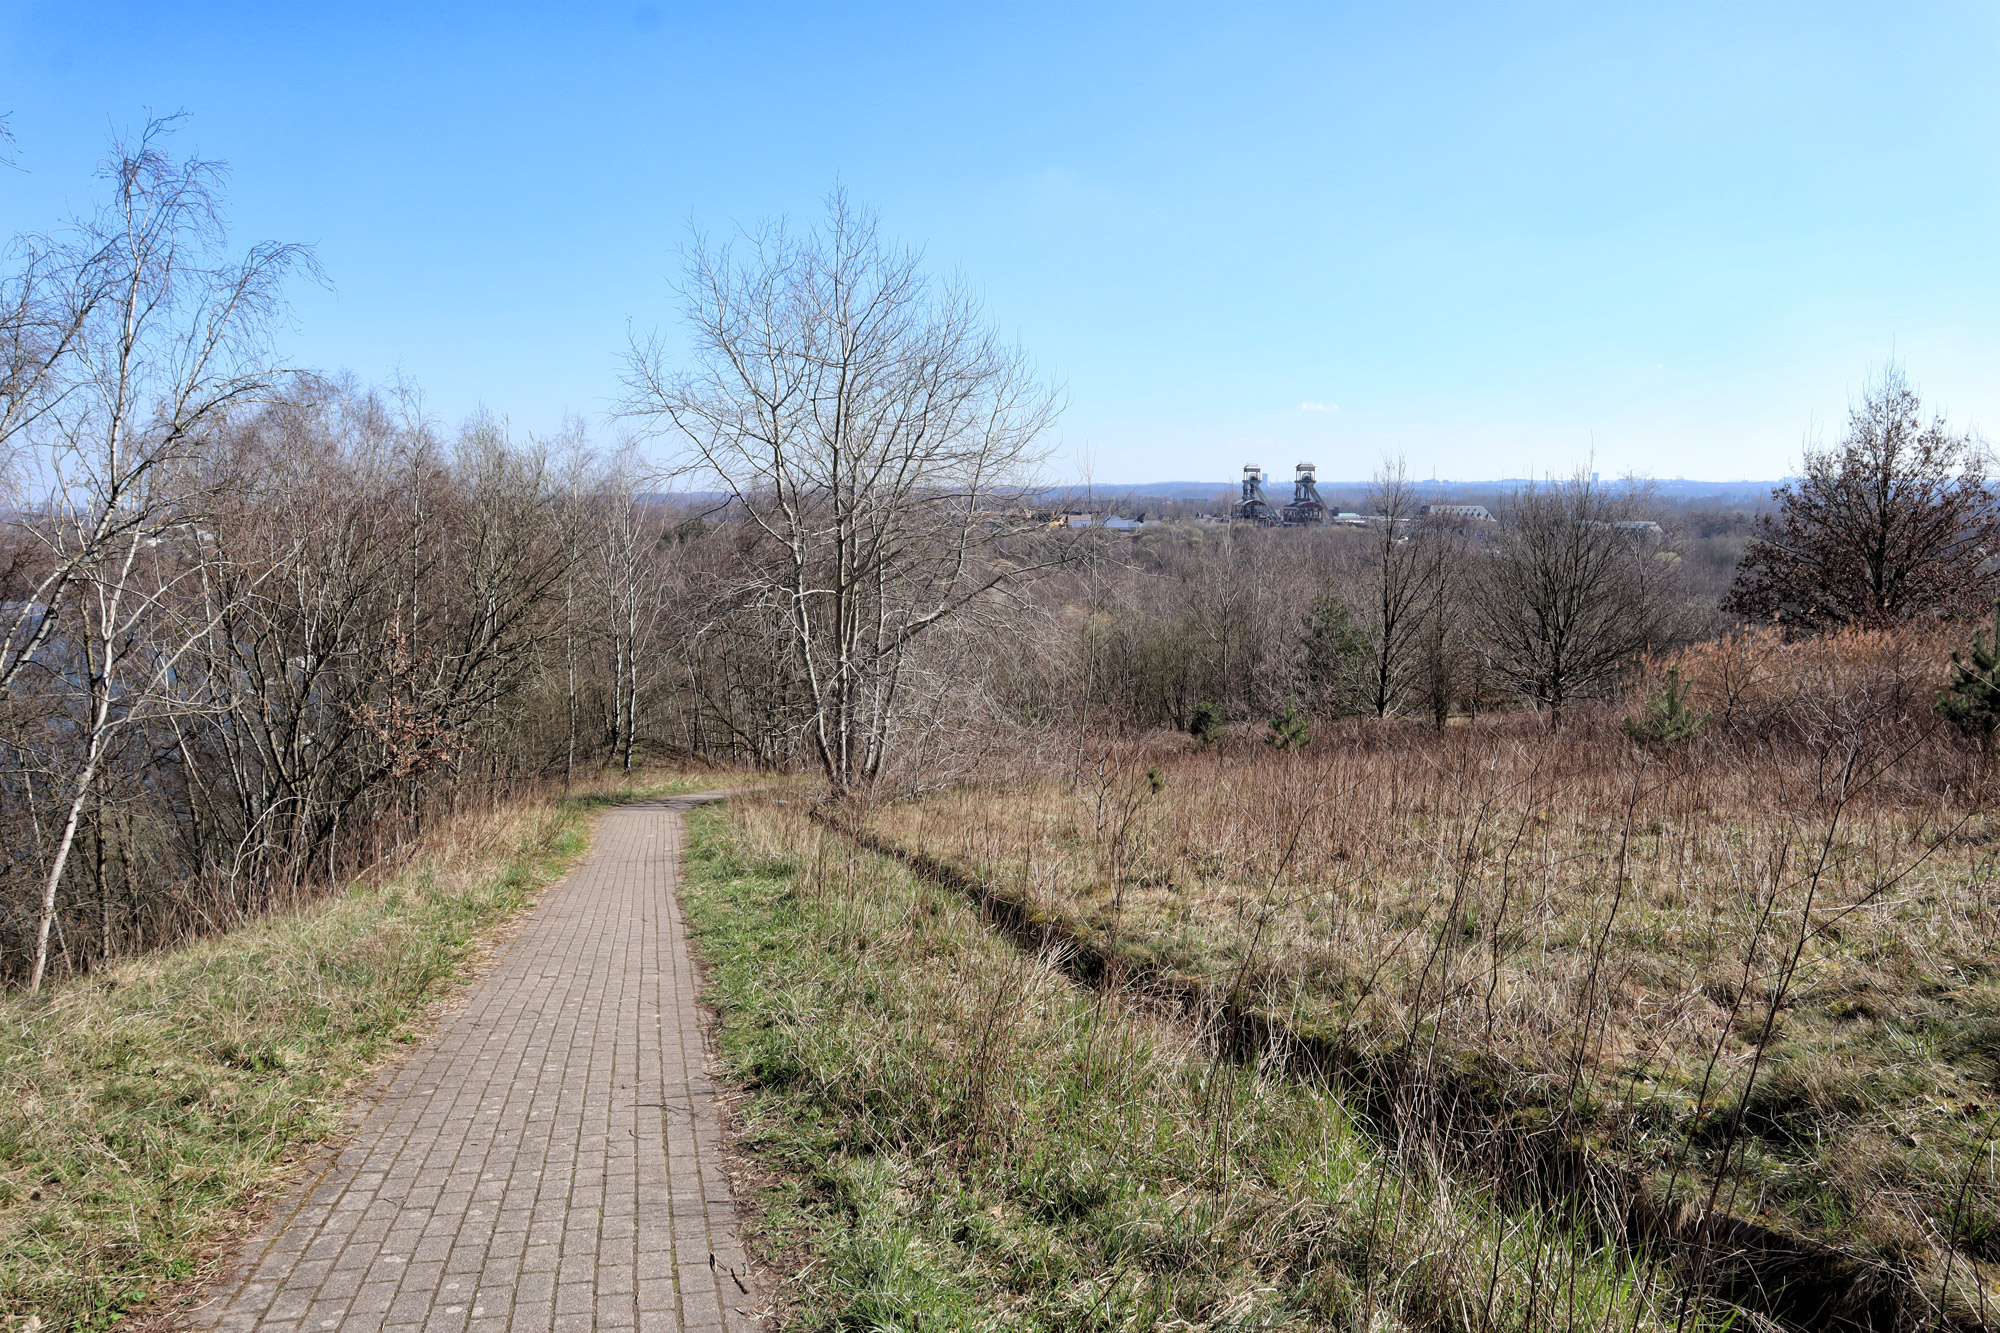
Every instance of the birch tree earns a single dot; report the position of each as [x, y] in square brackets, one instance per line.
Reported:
[161, 337]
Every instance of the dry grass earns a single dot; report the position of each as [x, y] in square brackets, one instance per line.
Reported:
[964, 1138]
[145, 1109]
[1761, 970]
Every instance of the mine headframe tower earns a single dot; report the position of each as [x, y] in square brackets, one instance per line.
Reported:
[1306, 506]
[1254, 507]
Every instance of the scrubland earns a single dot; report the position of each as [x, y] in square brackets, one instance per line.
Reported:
[146, 1110]
[1736, 997]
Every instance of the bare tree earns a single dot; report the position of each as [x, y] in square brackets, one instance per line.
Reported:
[158, 338]
[41, 319]
[1396, 569]
[49, 302]
[573, 514]
[1441, 648]
[1896, 522]
[631, 560]
[1575, 590]
[865, 421]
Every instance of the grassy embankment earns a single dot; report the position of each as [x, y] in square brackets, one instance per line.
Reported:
[1762, 981]
[959, 1137]
[145, 1111]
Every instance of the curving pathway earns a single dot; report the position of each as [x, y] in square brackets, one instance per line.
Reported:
[550, 1160]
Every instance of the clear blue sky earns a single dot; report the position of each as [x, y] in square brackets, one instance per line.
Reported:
[1497, 238]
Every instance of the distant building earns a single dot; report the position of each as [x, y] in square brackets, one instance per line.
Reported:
[1479, 513]
[1255, 507]
[1306, 506]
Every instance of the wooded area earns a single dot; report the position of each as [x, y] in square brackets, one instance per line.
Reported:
[261, 624]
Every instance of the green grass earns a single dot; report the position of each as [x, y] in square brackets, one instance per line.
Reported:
[146, 1109]
[1453, 900]
[958, 1138]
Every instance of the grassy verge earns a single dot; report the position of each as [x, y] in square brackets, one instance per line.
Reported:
[958, 1138]
[144, 1110]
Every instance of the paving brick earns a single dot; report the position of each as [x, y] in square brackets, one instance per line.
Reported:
[547, 1158]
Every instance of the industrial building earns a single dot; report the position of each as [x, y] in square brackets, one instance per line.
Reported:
[1306, 507]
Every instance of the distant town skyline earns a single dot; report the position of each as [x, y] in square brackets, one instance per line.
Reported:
[1677, 487]
[1499, 241]
[1368, 480]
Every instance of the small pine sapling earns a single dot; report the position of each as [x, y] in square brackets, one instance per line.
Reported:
[1972, 701]
[1206, 724]
[1667, 718]
[1290, 729]
[1336, 659]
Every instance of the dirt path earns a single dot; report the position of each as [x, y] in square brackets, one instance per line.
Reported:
[550, 1159]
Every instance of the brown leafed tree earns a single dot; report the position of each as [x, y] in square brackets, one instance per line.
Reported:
[1894, 523]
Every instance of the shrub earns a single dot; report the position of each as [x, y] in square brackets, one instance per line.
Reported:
[1972, 701]
[1289, 729]
[1667, 718]
[1335, 659]
[1206, 724]
[1756, 682]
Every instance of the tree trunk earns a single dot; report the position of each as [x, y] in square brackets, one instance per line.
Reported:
[68, 840]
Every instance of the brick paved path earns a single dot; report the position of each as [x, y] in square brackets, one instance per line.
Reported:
[550, 1160]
